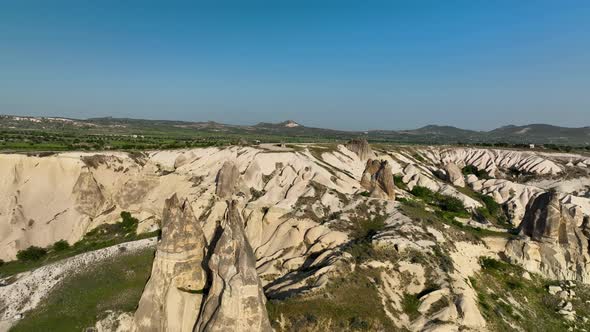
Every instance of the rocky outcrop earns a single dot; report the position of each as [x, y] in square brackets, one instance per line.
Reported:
[495, 160]
[361, 147]
[454, 174]
[235, 301]
[297, 204]
[173, 295]
[89, 196]
[551, 242]
[547, 220]
[378, 179]
[227, 180]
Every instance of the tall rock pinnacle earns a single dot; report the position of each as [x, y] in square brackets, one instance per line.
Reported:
[172, 297]
[361, 147]
[378, 179]
[235, 301]
[227, 180]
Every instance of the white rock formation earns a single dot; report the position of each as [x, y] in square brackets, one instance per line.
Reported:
[493, 160]
[552, 244]
[455, 175]
[173, 295]
[296, 206]
[235, 301]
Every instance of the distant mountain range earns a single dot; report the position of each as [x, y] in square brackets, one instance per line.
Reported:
[431, 134]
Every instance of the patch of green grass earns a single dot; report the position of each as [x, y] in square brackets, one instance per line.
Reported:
[490, 211]
[488, 264]
[362, 232]
[410, 305]
[399, 183]
[418, 157]
[444, 202]
[348, 303]
[417, 210]
[365, 229]
[499, 285]
[423, 193]
[446, 209]
[82, 299]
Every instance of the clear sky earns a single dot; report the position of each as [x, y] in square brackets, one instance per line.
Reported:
[474, 64]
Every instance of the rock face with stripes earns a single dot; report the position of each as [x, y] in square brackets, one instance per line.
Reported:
[361, 147]
[235, 301]
[227, 180]
[552, 242]
[173, 294]
[378, 179]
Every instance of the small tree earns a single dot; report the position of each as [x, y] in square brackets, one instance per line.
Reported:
[423, 192]
[61, 245]
[32, 253]
[451, 204]
[129, 223]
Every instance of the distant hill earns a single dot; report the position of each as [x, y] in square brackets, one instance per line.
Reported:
[541, 133]
[290, 129]
[442, 131]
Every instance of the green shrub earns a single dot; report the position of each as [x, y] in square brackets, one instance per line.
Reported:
[444, 202]
[1, 262]
[410, 304]
[491, 205]
[469, 169]
[128, 222]
[360, 246]
[399, 183]
[32, 253]
[127, 225]
[480, 173]
[61, 245]
[514, 284]
[365, 229]
[488, 263]
[423, 192]
[451, 204]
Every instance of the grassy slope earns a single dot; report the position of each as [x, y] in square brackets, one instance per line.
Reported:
[14, 267]
[532, 307]
[349, 303]
[82, 299]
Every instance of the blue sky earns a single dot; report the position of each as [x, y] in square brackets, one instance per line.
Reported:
[338, 64]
